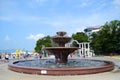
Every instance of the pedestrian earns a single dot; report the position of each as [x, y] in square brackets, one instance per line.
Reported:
[40, 55]
[7, 57]
[0, 56]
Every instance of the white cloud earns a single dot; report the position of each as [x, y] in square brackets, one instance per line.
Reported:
[5, 18]
[117, 2]
[19, 17]
[79, 23]
[35, 37]
[7, 38]
[83, 4]
[41, 1]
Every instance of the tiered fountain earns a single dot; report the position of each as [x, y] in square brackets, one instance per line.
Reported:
[61, 52]
[61, 65]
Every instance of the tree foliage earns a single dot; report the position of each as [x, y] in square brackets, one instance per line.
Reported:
[80, 37]
[107, 40]
[46, 41]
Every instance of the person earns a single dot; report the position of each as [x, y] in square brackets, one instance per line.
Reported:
[40, 55]
[0, 56]
[13, 56]
[7, 57]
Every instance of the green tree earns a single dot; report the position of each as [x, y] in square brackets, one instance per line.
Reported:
[107, 40]
[80, 37]
[46, 41]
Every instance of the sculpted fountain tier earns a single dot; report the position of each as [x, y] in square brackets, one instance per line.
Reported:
[61, 65]
[61, 52]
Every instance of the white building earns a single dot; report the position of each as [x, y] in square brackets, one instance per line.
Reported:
[90, 30]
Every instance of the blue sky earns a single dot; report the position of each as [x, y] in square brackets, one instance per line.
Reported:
[22, 22]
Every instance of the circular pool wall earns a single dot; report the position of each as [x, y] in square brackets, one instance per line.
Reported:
[82, 69]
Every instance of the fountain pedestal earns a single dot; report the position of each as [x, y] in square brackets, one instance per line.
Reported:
[61, 58]
[61, 53]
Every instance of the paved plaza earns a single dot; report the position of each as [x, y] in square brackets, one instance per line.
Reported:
[6, 74]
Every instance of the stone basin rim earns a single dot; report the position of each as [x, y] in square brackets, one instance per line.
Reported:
[60, 71]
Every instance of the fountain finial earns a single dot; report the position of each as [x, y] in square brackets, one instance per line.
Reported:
[61, 33]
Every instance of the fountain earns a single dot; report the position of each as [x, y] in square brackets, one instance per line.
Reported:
[61, 65]
[61, 52]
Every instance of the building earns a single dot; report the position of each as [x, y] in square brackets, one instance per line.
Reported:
[90, 30]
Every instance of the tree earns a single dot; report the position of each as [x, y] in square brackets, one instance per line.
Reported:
[46, 41]
[107, 40]
[80, 37]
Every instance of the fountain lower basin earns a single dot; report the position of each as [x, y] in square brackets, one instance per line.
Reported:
[49, 67]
